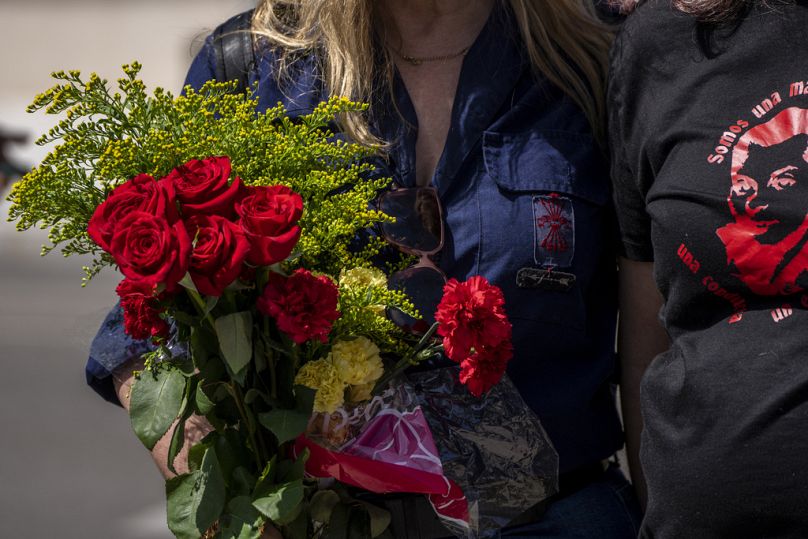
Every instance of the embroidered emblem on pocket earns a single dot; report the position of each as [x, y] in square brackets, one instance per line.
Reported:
[554, 231]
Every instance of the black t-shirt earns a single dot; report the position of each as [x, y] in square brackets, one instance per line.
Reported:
[710, 163]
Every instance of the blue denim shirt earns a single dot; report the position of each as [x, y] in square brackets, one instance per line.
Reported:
[524, 187]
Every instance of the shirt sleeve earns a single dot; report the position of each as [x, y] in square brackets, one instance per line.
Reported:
[110, 349]
[203, 68]
[629, 187]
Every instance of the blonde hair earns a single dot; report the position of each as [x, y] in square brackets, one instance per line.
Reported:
[564, 41]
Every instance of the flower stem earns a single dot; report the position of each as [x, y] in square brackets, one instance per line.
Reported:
[421, 352]
[249, 421]
[200, 306]
[270, 356]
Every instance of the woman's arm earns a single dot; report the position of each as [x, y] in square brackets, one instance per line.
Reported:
[196, 427]
[640, 339]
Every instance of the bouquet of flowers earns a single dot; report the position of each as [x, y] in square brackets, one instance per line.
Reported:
[246, 245]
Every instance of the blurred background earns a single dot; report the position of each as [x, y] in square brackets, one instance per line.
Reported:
[69, 465]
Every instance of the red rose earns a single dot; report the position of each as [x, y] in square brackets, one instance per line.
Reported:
[141, 311]
[471, 317]
[218, 252]
[269, 217]
[203, 186]
[141, 193]
[150, 250]
[485, 368]
[303, 306]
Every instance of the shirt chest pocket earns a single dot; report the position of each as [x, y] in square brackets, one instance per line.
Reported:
[543, 213]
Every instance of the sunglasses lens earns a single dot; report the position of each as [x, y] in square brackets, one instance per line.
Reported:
[418, 225]
[424, 287]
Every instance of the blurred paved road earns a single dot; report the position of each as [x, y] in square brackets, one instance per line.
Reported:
[69, 465]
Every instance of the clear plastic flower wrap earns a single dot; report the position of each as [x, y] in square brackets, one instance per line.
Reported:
[482, 462]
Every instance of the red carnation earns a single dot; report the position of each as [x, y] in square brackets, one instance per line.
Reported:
[141, 311]
[485, 368]
[141, 193]
[471, 316]
[218, 252]
[203, 186]
[150, 250]
[303, 305]
[269, 217]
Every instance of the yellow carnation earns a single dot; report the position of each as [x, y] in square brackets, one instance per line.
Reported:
[360, 393]
[357, 361]
[322, 376]
[362, 278]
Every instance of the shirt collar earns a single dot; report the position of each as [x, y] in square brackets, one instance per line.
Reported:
[489, 73]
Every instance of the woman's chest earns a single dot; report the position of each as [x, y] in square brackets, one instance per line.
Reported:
[432, 88]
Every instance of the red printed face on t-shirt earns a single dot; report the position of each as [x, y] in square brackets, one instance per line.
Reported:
[768, 240]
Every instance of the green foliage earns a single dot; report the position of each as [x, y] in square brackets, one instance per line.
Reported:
[235, 339]
[194, 501]
[241, 520]
[360, 315]
[157, 399]
[286, 425]
[108, 137]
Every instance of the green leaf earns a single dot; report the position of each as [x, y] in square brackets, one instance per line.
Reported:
[349, 522]
[359, 526]
[228, 455]
[379, 518]
[289, 470]
[242, 482]
[203, 404]
[177, 441]
[203, 344]
[195, 501]
[210, 303]
[253, 394]
[263, 355]
[178, 437]
[241, 520]
[235, 339]
[198, 450]
[156, 403]
[185, 318]
[280, 503]
[188, 282]
[339, 521]
[322, 504]
[298, 528]
[285, 424]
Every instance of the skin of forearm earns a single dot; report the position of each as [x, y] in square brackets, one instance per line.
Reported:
[195, 428]
[640, 339]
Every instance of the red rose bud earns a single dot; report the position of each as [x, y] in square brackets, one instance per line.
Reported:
[141, 311]
[303, 306]
[150, 250]
[269, 217]
[218, 252]
[471, 317]
[141, 193]
[203, 186]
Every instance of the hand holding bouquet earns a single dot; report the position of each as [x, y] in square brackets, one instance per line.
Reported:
[249, 261]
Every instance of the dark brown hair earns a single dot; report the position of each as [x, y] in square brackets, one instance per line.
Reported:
[706, 11]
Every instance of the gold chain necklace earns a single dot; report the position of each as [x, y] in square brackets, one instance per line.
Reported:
[416, 60]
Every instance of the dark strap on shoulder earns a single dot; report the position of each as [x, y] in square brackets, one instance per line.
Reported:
[233, 47]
